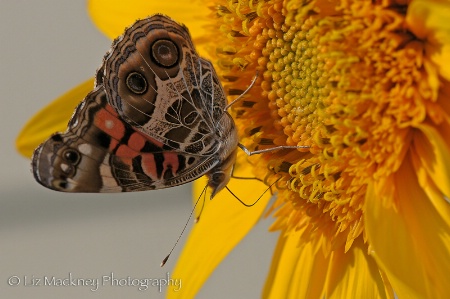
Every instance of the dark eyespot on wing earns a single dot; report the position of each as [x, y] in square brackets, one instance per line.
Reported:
[165, 53]
[136, 83]
[71, 156]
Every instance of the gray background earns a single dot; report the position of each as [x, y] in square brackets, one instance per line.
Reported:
[48, 47]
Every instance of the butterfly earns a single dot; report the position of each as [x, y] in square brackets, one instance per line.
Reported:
[156, 118]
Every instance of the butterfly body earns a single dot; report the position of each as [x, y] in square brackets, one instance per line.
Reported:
[155, 119]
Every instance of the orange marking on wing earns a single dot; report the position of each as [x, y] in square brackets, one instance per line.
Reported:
[136, 141]
[113, 144]
[148, 138]
[109, 121]
[109, 124]
[111, 110]
[172, 160]
[126, 151]
[149, 165]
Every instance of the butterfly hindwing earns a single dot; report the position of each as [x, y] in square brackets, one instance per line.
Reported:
[156, 81]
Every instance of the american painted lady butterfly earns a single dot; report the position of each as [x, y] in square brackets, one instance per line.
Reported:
[155, 119]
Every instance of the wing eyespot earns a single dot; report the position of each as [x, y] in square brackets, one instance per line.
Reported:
[136, 83]
[165, 53]
[60, 184]
[71, 156]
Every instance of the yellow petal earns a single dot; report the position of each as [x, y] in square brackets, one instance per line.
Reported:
[354, 274]
[296, 271]
[53, 118]
[304, 272]
[223, 224]
[428, 20]
[113, 16]
[433, 149]
[410, 242]
[430, 188]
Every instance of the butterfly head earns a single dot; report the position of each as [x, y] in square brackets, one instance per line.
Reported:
[59, 165]
[220, 175]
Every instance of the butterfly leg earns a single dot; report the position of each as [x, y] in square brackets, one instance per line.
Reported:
[250, 153]
[245, 91]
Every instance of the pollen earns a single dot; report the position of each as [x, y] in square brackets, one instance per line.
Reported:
[344, 78]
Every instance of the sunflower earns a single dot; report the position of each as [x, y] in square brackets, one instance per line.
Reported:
[364, 211]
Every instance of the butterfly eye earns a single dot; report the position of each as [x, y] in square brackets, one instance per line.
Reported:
[71, 156]
[136, 83]
[165, 52]
[218, 177]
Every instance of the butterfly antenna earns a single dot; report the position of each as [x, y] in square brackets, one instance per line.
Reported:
[245, 91]
[164, 261]
[245, 178]
[251, 205]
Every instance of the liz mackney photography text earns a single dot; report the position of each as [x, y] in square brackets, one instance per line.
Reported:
[94, 284]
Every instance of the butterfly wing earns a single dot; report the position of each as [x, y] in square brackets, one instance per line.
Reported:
[158, 84]
[155, 119]
[99, 152]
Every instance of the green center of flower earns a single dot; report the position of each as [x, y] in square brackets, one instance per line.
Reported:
[300, 82]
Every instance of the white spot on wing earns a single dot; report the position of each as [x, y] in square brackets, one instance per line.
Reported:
[109, 124]
[85, 149]
[64, 167]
